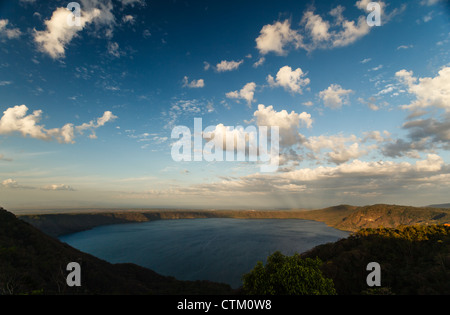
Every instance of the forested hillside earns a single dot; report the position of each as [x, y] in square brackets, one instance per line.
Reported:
[414, 260]
[33, 263]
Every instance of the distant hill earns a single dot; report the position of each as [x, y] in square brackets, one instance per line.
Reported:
[32, 262]
[443, 205]
[343, 217]
[392, 216]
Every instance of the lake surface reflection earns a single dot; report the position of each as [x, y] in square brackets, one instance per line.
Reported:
[219, 250]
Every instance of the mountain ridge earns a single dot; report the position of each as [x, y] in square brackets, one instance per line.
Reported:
[343, 217]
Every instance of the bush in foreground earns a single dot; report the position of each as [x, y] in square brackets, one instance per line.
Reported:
[284, 275]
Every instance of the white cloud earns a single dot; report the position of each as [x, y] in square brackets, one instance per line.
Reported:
[113, 49]
[15, 119]
[58, 33]
[377, 136]
[351, 31]
[92, 125]
[247, 93]
[292, 81]
[9, 33]
[356, 178]
[323, 34]
[430, 2]
[429, 92]
[343, 149]
[260, 62]
[318, 33]
[371, 103]
[58, 187]
[128, 19]
[335, 96]
[379, 67]
[405, 47]
[12, 184]
[238, 136]
[433, 163]
[289, 123]
[194, 83]
[275, 37]
[316, 26]
[184, 109]
[228, 65]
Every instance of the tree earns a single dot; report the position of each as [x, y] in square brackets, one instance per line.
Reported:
[284, 275]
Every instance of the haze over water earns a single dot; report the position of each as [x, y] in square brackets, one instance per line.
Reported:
[219, 250]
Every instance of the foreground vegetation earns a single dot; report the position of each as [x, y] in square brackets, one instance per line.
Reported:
[414, 260]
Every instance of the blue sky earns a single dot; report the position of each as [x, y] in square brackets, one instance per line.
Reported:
[87, 111]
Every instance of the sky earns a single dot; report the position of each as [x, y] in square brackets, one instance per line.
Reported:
[90, 97]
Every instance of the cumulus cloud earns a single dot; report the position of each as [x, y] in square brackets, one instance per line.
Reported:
[241, 139]
[113, 49]
[13, 184]
[289, 123]
[58, 187]
[335, 96]
[8, 33]
[59, 33]
[424, 134]
[290, 80]
[351, 31]
[15, 119]
[228, 65]
[340, 149]
[247, 93]
[318, 33]
[355, 178]
[275, 37]
[194, 84]
[429, 92]
[95, 124]
[260, 62]
[316, 26]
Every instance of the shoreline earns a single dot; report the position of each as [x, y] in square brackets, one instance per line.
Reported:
[344, 217]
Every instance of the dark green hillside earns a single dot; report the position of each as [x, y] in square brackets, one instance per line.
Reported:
[32, 262]
[415, 260]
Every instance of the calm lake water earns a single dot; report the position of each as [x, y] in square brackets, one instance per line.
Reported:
[220, 250]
